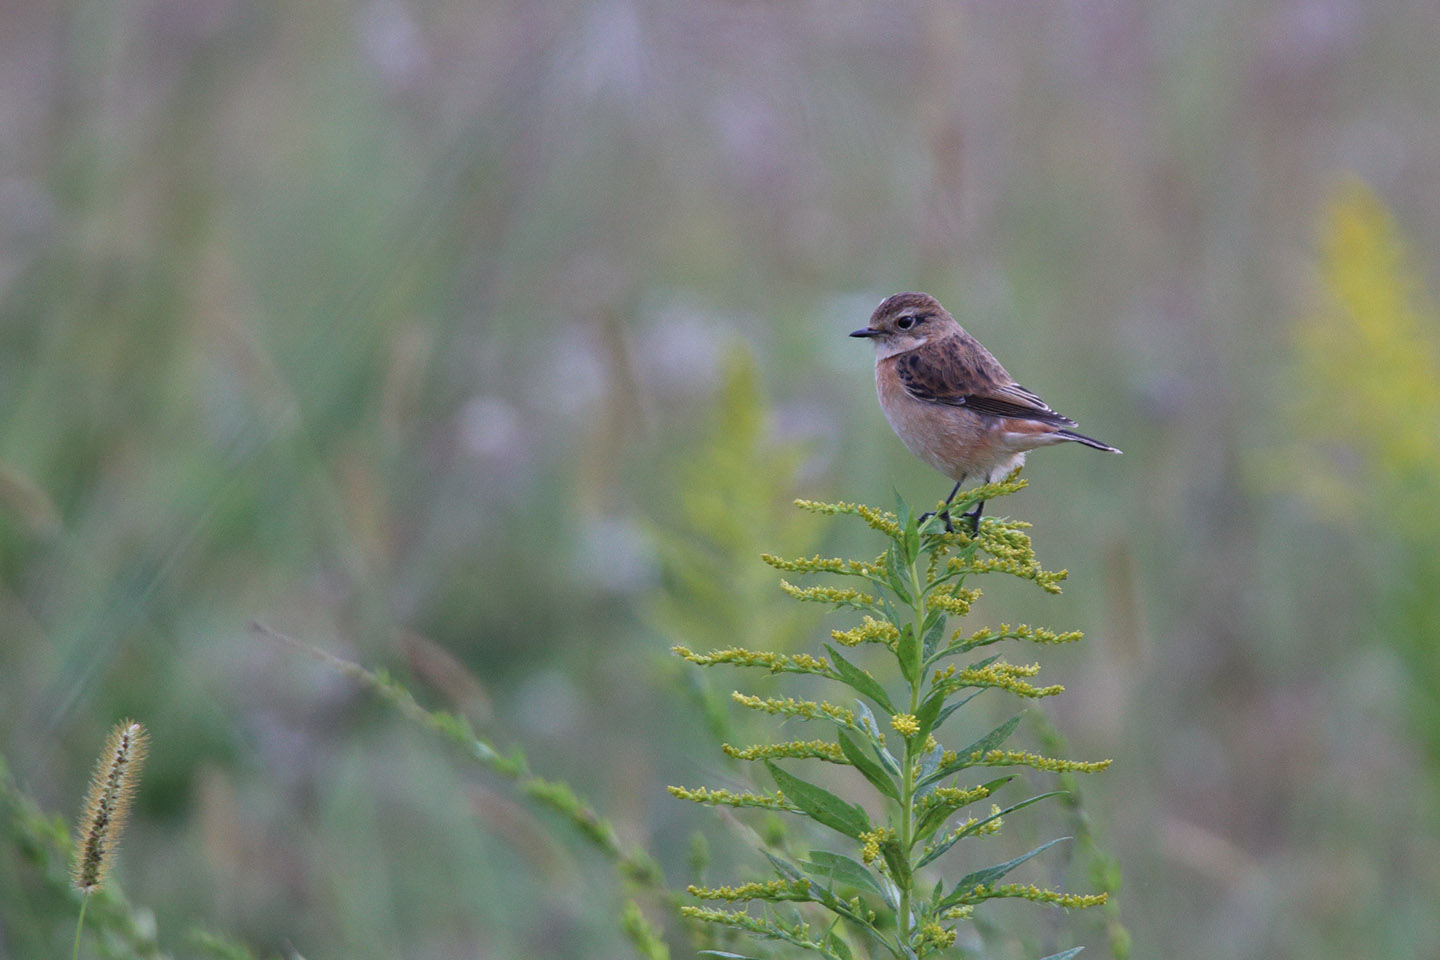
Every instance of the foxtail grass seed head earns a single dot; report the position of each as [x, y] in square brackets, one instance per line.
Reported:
[107, 803]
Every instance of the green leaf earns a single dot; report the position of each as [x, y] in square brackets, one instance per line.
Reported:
[784, 868]
[898, 861]
[934, 631]
[935, 816]
[990, 874]
[839, 947]
[726, 955]
[867, 720]
[907, 651]
[860, 681]
[892, 575]
[912, 538]
[841, 869]
[951, 708]
[984, 745]
[930, 761]
[997, 783]
[1066, 955]
[872, 728]
[928, 713]
[868, 768]
[821, 805]
[974, 828]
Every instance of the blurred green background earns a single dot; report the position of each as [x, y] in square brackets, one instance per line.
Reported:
[436, 334]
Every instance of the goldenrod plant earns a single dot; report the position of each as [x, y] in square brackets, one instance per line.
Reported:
[733, 495]
[883, 890]
[1365, 397]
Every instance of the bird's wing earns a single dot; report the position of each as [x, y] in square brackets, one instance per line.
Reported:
[961, 373]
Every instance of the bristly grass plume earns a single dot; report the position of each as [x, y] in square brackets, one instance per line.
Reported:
[107, 805]
[867, 897]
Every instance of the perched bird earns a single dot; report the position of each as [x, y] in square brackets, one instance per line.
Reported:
[950, 401]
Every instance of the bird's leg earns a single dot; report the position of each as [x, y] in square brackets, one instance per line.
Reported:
[974, 517]
[945, 512]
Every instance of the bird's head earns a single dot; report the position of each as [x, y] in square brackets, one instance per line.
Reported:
[906, 321]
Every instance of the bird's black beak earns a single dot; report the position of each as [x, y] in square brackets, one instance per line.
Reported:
[867, 332]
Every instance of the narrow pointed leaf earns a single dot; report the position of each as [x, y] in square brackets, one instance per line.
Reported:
[872, 727]
[859, 680]
[841, 869]
[868, 768]
[822, 805]
[785, 868]
[989, 875]
[907, 651]
[893, 565]
[984, 745]
[974, 827]
[1066, 955]
[933, 632]
[930, 762]
[928, 713]
[935, 816]
[952, 707]
[898, 862]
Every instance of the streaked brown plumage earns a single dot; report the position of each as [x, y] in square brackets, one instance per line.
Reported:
[951, 403]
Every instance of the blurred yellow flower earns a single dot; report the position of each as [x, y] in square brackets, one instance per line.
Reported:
[1367, 393]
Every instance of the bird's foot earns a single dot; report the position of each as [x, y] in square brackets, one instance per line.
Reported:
[949, 527]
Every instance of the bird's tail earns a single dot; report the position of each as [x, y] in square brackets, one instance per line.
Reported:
[1088, 441]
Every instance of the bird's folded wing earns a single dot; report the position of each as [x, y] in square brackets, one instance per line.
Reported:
[974, 381]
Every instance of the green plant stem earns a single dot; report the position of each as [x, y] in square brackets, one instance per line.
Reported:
[84, 902]
[907, 771]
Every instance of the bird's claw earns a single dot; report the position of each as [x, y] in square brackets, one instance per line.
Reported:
[949, 527]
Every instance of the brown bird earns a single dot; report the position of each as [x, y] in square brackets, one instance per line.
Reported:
[950, 401]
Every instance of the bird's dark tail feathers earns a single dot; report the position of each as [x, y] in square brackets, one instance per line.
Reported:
[1088, 441]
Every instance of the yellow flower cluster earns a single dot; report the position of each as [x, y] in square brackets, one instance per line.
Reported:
[953, 599]
[805, 709]
[1022, 632]
[848, 596]
[799, 749]
[729, 798]
[1037, 895]
[773, 890]
[905, 724]
[970, 826]
[869, 631]
[1005, 676]
[881, 520]
[741, 657]
[819, 564]
[954, 796]
[1017, 758]
[872, 840]
[937, 935]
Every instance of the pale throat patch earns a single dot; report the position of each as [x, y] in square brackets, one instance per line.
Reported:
[884, 349]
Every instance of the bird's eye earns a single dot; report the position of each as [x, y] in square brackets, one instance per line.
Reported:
[905, 323]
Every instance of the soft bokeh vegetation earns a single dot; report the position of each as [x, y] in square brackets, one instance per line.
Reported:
[402, 326]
